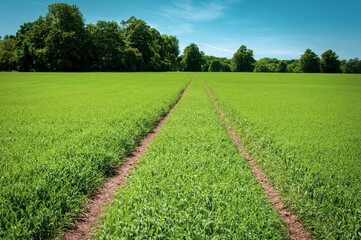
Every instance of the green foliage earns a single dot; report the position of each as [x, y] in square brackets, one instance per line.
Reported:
[281, 67]
[65, 43]
[266, 65]
[8, 53]
[192, 59]
[293, 66]
[351, 66]
[243, 60]
[61, 42]
[191, 184]
[216, 64]
[309, 62]
[62, 134]
[330, 62]
[305, 132]
[107, 46]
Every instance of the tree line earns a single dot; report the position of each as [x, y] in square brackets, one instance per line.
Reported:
[61, 41]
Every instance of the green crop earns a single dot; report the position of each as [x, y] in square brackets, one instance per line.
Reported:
[191, 184]
[62, 134]
[305, 131]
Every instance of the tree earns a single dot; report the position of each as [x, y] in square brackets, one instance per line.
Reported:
[281, 67]
[243, 60]
[330, 62]
[8, 53]
[31, 46]
[107, 46]
[65, 48]
[309, 62]
[293, 66]
[169, 52]
[215, 66]
[351, 66]
[192, 58]
[133, 60]
[138, 36]
[266, 65]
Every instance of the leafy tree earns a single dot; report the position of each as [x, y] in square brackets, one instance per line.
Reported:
[266, 65]
[169, 52]
[215, 66]
[243, 60]
[8, 53]
[138, 36]
[107, 46]
[31, 46]
[351, 66]
[293, 66]
[309, 62]
[192, 58]
[281, 67]
[330, 62]
[65, 44]
[133, 60]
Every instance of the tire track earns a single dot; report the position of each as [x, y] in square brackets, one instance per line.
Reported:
[89, 219]
[295, 228]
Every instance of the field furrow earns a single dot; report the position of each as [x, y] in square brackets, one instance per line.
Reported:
[295, 228]
[305, 132]
[62, 134]
[88, 220]
[192, 183]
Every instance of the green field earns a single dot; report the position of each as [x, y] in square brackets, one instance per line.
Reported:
[305, 131]
[192, 184]
[61, 134]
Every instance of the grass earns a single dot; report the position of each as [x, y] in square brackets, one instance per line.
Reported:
[191, 184]
[305, 131]
[61, 134]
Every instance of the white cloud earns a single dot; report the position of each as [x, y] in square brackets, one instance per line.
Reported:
[176, 29]
[190, 10]
[210, 48]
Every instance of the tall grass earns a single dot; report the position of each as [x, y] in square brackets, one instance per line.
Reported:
[305, 131]
[62, 134]
[191, 184]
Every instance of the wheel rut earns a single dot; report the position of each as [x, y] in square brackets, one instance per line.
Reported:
[295, 228]
[89, 219]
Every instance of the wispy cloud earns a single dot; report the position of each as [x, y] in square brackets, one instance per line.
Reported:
[193, 10]
[209, 46]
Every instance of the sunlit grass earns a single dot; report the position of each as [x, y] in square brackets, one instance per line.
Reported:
[61, 134]
[305, 131]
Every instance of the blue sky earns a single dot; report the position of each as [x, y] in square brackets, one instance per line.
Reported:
[271, 28]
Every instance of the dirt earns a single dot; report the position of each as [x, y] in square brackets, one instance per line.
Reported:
[296, 230]
[89, 219]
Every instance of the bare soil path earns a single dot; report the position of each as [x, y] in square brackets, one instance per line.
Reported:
[296, 230]
[88, 220]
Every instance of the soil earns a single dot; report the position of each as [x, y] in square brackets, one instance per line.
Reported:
[89, 219]
[296, 230]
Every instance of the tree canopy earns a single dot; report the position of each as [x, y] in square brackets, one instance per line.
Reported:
[61, 41]
[192, 58]
[243, 60]
[330, 62]
[309, 62]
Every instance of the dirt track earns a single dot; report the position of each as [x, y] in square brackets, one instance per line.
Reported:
[88, 220]
[296, 230]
